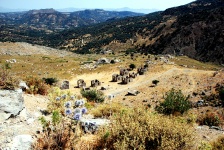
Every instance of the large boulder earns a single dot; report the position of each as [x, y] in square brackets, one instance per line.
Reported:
[11, 103]
[22, 142]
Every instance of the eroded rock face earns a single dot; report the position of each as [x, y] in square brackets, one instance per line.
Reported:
[11, 103]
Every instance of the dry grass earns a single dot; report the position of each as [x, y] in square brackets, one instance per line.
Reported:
[191, 63]
[140, 129]
[107, 110]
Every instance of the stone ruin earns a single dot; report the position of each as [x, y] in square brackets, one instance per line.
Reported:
[64, 85]
[133, 75]
[124, 72]
[81, 83]
[95, 83]
[126, 79]
[142, 70]
[116, 77]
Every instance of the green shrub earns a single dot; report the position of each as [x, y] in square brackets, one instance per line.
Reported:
[132, 66]
[175, 102]
[50, 81]
[155, 82]
[93, 95]
[221, 95]
[140, 129]
[112, 61]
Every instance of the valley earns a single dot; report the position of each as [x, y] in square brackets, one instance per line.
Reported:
[179, 73]
[97, 79]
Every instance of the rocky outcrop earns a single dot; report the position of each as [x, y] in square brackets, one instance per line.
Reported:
[22, 142]
[11, 103]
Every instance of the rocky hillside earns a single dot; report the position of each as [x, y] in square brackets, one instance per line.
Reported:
[194, 30]
[50, 19]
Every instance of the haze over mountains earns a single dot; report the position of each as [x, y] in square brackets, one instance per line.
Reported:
[194, 30]
[51, 19]
[72, 9]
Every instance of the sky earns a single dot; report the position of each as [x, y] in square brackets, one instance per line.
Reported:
[91, 4]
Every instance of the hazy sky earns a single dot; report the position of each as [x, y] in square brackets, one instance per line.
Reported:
[58, 4]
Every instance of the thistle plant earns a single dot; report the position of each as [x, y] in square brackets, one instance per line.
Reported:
[58, 99]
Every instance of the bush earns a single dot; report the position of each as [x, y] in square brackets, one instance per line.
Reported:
[112, 61]
[36, 86]
[205, 146]
[93, 95]
[50, 81]
[57, 134]
[175, 102]
[139, 129]
[218, 144]
[221, 95]
[57, 99]
[132, 66]
[155, 82]
[209, 119]
[7, 81]
[106, 110]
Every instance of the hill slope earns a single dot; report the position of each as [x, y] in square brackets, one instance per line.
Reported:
[194, 30]
[50, 19]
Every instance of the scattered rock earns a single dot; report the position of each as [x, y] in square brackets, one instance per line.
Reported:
[11, 104]
[216, 128]
[144, 101]
[133, 92]
[23, 85]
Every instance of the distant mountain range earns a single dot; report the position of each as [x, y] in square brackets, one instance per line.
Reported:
[50, 19]
[71, 9]
[195, 29]
[144, 11]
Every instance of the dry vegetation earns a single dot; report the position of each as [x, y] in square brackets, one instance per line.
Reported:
[134, 121]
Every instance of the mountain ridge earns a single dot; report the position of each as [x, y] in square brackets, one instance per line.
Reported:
[192, 29]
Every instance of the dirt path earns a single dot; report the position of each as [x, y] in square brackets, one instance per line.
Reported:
[169, 76]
